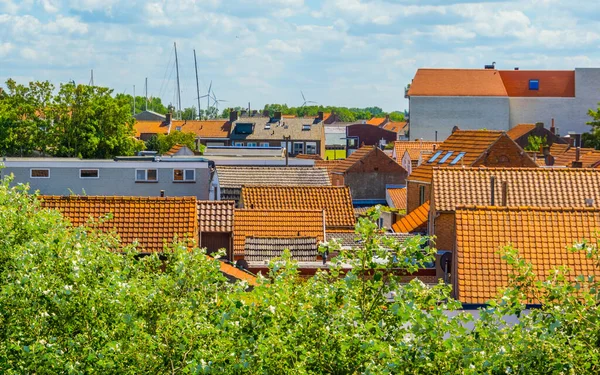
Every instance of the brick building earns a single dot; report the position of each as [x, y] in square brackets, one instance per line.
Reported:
[368, 172]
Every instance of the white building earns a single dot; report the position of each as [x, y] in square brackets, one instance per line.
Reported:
[440, 99]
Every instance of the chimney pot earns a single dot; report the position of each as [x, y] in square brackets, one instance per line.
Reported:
[320, 115]
[552, 128]
[278, 115]
[162, 193]
[168, 118]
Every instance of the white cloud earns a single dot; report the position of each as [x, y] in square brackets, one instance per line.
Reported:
[50, 6]
[279, 45]
[29, 54]
[71, 25]
[6, 48]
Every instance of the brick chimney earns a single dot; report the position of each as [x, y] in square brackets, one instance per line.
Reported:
[265, 113]
[552, 128]
[278, 115]
[577, 163]
[254, 112]
[539, 125]
[320, 115]
[233, 116]
[168, 118]
[243, 113]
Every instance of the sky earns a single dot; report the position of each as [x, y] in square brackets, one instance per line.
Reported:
[353, 53]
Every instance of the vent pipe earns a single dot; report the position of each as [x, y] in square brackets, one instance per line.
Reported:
[492, 190]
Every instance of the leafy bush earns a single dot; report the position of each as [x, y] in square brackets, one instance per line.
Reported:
[70, 304]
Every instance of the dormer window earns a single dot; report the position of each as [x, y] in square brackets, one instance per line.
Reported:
[306, 127]
[534, 84]
[241, 128]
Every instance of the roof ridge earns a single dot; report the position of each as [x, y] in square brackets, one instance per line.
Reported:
[527, 208]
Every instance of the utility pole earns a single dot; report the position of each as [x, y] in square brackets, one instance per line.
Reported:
[146, 93]
[178, 87]
[197, 85]
[134, 100]
[286, 139]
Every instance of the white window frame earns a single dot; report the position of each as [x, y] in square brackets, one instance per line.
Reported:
[145, 175]
[184, 173]
[238, 144]
[264, 144]
[251, 144]
[89, 169]
[38, 169]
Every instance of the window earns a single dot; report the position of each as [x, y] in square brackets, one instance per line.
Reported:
[146, 175]
[243, 128]
[89, 173]
[457, 158]
[421, 195]
[311, 148]
[534, 84]
[306, 127]
[298, 147]
[39, 173]
[435, 156]
[251, 144]
[443, 160]
[264, 144]
[184, 175]
[267, 126]
[238, 144]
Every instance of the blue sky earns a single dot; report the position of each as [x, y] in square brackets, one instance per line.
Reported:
[338, 52]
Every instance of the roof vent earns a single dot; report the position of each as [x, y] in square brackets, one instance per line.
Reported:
[516, 68]
[589, 202]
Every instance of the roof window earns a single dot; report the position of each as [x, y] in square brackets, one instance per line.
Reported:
[443, 160]
[306, 127]
[534, 84]
[242, 128]
[457, 158]
[435, 156]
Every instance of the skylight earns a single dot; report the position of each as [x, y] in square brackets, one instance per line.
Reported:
[443, 160]
[435, 156]
[457, 158]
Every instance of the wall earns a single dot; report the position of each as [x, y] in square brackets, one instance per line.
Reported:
[369, 176]
[506, 153]
[431, 113]
[445, 232]
[216, 241]
[406, 162]
[113, 179]
[412, 195]
[370, 135]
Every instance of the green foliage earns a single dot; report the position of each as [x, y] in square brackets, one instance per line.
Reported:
[70, 304]
[345, 114]
[535, 143]
[592, 138]
[79, 121]
[163, 143]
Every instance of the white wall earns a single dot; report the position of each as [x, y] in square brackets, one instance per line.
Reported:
[431, 113]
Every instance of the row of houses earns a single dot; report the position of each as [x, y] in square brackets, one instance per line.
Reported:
[297, 135]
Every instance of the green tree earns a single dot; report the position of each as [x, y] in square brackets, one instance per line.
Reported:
[535, 143]
[163, 143]
[91, 123]
[592, 138]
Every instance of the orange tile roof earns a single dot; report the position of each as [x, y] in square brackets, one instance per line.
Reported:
[288, 116]
[398, 197]
[413, 221]
[587, 156]
[205, 128]
[395, 126]
[473, 142]
[309, 156]
[236, 273]
[457, 82]
[355, 157]
[276, 223]
[401, 146]
[535, 187]
[520, 130]
[215, 216]
[328, 164]
[150, 127]
[558, 148]
[151, 221]
[541, 235]
[376, 121]
[335, 200]
[174, 150]
[415, 154]
[552, 83]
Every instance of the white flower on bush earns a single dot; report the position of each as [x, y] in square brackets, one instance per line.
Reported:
[272, 309]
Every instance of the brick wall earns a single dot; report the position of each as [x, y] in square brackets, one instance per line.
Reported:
[412, 195]
[445, 232]
[336, 179]
[506, 153]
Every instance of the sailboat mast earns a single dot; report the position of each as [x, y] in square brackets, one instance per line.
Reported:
[197, 85]
[178, 87]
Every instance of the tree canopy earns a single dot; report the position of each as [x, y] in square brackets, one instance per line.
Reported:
[163, 143]
[69, 303]
[345, 114]
[76, 121]
[592, 138]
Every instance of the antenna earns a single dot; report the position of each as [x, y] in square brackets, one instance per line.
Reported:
[178, 87]
[197, 86]
[146, 93]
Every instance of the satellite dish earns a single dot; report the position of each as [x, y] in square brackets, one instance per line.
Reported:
[446, 261]
[242, 264]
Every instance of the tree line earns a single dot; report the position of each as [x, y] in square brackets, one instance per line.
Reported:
[69, 303]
